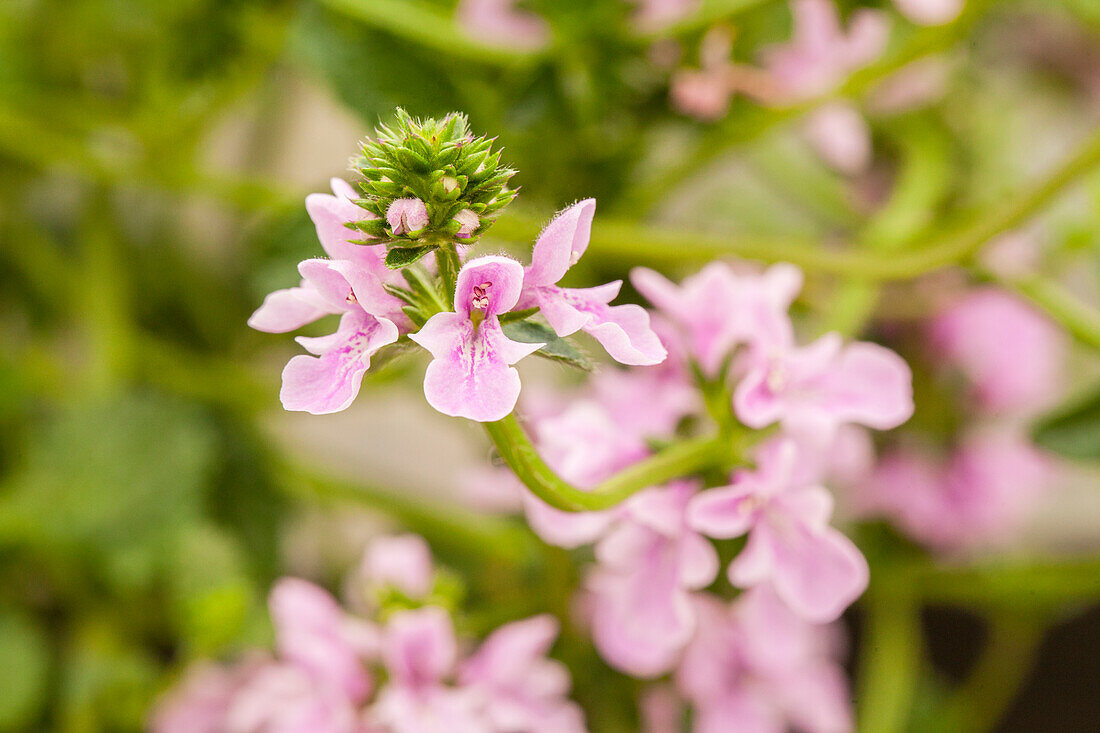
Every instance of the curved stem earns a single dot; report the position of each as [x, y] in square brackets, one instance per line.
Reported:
[676, 246]
[680, 459]
[1009, 655]
[426, 24]
[889, 663]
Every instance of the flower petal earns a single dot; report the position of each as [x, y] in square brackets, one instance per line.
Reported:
[726, 512]
[817, 572]
[495, 282]
[290, 309]
[869, 385]
[331, 382]
[561, 243]
[471, 375]
[330, 213]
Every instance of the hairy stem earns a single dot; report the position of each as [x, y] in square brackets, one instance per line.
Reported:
[681, 459]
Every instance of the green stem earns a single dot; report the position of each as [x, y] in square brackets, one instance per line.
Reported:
[671, 247]
[445, 526]
[426, 24]
[680, 459]
[752, 122]
[889, 661]
[447, 259]
[981, 701]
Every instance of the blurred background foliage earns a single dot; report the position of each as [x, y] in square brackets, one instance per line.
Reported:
[153, 159]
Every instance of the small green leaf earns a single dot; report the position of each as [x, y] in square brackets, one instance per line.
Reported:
[558, 349]
[1073, 430]
[24, 663]
[519, 316]
[399, 257]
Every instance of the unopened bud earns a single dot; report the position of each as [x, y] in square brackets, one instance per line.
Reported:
[407, 216]
[469, 221]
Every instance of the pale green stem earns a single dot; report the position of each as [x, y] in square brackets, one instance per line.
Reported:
[681, 459]
[672, 247]
[980, 702]
[890, 661]
[443, 524]
[430, 26]
[740, 128]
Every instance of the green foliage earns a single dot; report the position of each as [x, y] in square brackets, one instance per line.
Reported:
[1073, 430]
[558, 349]
[24, 666]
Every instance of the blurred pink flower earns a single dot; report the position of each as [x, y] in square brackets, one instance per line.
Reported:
[817, 388]
[399, 561]
[526, 691]
[754, 666]
[820, 54]
[841, 136]
[815, 569]
[642, 615]
[719, 309]
[1011, 354]
[201, 700]
[471, 373]
[656, 14]
[500, 23]
[930, 12]
[979, 496]
[623, 330]
[284, 698]
[313, 633]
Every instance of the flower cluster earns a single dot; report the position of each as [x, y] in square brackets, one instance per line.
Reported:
[458, 317]
[798, 411]
[979, 487]
[404, 671]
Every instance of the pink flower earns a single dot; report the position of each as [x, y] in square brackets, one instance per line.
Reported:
[817, 388]
[840, 135]
[471, 373]
[290, 309]
[1012, 354]
[719, 309]
[330, 382]
[656, 14]
[419, 651]
[313, 633]
[284, 698]
[525, 690]
[980, 496]
[815, 569]
[820, 54]
[642, 611]
[756, 667]
[200, 702]
[930, 12]
[500, 23]
[406, 216]
[400, 561]
[623, 330]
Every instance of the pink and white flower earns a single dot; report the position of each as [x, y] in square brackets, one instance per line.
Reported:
[471, 373]
[815, 569]
[623, 330]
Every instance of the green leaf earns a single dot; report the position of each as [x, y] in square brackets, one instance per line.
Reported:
[1073, 430]
[111, 476]
[558, 349]
[24, 664]
[519, 316]
[399, 257]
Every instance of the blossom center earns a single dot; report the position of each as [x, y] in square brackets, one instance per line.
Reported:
[480, 298]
